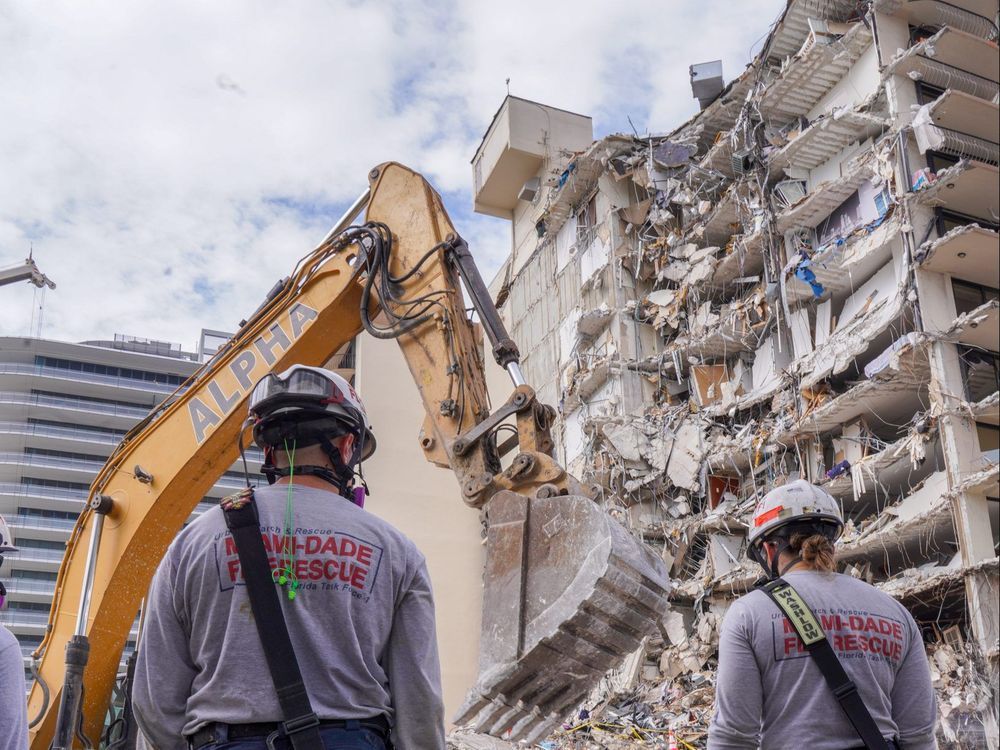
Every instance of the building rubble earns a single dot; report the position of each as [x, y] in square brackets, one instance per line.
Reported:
[800, 281]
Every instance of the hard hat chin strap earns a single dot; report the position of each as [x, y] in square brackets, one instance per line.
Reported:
[771, 570]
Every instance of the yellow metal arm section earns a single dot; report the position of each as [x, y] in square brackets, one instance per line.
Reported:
[187, 444]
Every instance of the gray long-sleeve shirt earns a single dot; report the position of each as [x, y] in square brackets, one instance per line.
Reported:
[13, 706]
[362, 625]
[770, 693]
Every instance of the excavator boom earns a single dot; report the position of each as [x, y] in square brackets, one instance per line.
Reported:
[568, 592]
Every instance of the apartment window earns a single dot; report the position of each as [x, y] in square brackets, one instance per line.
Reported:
[109, 370]
[948, 220]
[54, 483]
[989, 437]
[91, 399]
[981, 371]
[22, 542]
[927, 93]
[70, 425]
[34, 575]
[30, 606]
[936, 161]
[586, 222]
[920, 34]
[45, 513]
[64, 454]
[969, 296]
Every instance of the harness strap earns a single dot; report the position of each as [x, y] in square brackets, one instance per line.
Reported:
[300, 725]
[818, 645]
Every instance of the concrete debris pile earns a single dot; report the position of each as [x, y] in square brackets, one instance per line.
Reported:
[792, 284]
[963, 694]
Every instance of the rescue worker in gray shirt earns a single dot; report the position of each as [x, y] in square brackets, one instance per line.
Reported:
[13, 705]
[770, 693]
[355, 595]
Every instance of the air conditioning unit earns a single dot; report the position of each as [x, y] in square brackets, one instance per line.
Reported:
[789, 192]
[742, 161]
[529, 191]
[819, 33]
[706, 81]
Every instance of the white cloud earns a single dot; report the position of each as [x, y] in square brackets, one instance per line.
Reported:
[171, 161]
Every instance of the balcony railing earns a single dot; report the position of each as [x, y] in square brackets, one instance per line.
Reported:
[77, 404]
[52, 462]
[29, 586]
[60, 431]
[36, 554]
[23, 617]
[13, 368]
[39, 522]
[42, 492]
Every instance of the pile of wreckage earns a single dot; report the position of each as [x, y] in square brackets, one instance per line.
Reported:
[782, 250]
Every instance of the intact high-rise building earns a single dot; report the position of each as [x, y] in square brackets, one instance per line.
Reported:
[63, 409]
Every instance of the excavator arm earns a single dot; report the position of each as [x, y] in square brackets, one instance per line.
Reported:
[567, 591]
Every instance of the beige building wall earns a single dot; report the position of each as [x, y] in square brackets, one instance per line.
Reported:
[424, 502]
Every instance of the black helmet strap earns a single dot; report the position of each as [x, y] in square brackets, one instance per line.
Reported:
[340, 476]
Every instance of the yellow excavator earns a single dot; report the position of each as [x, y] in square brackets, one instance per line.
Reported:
[568, 592]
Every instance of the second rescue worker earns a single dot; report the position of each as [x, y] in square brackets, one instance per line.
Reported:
[815, 659]
[356, 612]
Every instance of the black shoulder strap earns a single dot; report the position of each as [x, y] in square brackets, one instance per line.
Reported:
[818, 645]
[300, 724]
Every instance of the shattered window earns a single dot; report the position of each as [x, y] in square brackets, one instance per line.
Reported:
[981, 371]
[948, 220]
[969, 296]
[927, 93]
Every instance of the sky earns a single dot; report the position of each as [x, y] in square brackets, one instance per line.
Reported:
[167, 163]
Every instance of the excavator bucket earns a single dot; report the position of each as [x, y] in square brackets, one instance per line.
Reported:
[568, 594]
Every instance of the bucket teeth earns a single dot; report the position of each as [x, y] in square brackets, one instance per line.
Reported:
[576, 603]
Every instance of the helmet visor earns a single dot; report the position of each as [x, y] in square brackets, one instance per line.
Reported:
[299, 383]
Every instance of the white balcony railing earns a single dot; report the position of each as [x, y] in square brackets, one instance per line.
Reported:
[117, 381]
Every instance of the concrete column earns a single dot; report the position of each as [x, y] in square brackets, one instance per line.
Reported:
[961, 451]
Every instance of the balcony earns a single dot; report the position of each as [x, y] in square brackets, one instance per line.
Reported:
[826, 137]
[968, 187]
[971, 16]
[979, 327]
[40, 492]
[74, 404]
[36, 554]
[60, 431]
[51, 462]
[839, 263]
[744, 258]
[895, 470]
[969, 253]
[951, 59]
[77, 376]
[812, 72]
[39, 522]
[719, 157]
[894, 393]
[820, 202]
[29, 586]
[793, 28]
[33, 618]
[960, 125]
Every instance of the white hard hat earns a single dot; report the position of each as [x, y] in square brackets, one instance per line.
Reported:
[6, 539]
[309, 404]
[795, 502]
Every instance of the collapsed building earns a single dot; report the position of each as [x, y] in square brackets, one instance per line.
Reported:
[800, 281]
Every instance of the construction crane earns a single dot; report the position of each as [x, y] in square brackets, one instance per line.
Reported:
[27, 271]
